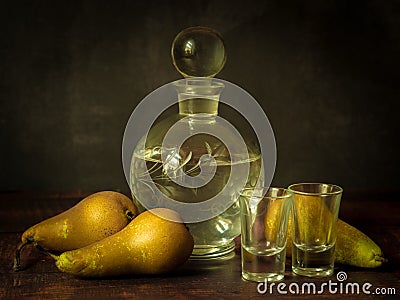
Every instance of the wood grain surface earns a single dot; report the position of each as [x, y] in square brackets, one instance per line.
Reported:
[375, 215]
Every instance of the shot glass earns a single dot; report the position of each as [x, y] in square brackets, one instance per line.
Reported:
[315, 212]
[264, 214]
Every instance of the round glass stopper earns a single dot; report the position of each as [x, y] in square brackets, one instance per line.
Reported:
[198, 52]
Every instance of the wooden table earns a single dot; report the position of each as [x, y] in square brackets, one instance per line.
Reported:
[375, 214]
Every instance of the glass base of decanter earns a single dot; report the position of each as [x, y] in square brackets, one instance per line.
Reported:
[201, 252]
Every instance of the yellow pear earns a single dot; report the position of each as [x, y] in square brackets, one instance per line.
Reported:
[276, 220]
[352, 246]
[92, 219]
[150, 244]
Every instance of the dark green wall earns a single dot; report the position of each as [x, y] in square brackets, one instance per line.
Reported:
[326, 73]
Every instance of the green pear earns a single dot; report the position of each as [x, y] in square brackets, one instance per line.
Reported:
[154, 242]
[92, 219]
[355, 248]
[352, 247]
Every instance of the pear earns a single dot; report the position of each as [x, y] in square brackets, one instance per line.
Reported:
[355, 248]
[352, 246]
[92, 219]
[154, 242]
[276, 220]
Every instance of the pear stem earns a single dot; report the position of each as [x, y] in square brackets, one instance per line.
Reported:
[17, 258]
[380, 258]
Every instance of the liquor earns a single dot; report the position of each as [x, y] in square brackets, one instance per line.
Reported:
[212, 237]
[258, 265]
[313, 261]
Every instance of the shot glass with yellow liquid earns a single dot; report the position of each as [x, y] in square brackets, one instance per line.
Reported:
[315, 212]
[264, 223]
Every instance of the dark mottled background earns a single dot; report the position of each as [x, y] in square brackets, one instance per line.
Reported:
[325, 72]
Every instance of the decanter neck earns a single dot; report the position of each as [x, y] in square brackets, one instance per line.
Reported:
[198, 95]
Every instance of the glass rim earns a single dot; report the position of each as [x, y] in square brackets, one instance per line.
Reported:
[338, 189]
[288, 193]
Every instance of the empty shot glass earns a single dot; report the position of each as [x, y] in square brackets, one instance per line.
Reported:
[264, 214]
[315, 213]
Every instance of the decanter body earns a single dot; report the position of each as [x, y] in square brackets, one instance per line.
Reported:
[202, 154]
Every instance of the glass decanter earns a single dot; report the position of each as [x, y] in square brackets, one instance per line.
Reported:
[198, 53]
